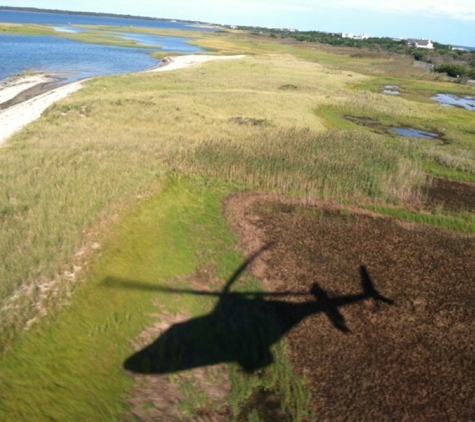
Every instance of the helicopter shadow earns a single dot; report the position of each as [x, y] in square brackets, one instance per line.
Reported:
[241, 328]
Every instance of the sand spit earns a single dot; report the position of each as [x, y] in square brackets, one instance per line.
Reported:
[18, 116]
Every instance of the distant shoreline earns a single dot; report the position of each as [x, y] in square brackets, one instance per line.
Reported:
[107, 15]
[464, 46]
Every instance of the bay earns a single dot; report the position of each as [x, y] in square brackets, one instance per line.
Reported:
[44, 18]
[73, 60]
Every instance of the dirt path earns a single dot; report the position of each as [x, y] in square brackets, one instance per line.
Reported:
[409, 361]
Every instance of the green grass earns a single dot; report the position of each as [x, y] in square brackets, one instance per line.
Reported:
[452, 157]
[436, 169]
[76, 354]
[420, 90]
[74, 358]
[463, 222]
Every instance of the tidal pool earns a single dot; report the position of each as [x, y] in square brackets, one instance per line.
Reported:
[391, 89]
[401, 131]
[451, 100]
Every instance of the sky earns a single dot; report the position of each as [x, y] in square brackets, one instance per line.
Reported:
[444, 21]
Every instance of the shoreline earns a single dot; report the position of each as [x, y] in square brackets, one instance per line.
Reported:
[23, 99]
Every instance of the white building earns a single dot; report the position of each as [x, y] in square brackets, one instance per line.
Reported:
[420, 43]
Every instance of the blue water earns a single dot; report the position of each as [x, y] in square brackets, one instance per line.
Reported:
[60, 19]
[391, 89]
[464, 101]
[404, 131]
[464, 46]
[77, 60]
[59, 55]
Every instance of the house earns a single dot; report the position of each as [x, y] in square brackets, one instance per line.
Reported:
[354, 37]
[420, 43]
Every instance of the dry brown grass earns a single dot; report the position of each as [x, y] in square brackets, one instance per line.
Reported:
[412, 360]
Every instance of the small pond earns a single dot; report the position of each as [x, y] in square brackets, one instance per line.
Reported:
[391, 89]
[407, 131]
[465, 101]
[401, 131]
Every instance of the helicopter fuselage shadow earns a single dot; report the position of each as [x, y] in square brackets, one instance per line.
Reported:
[241, 329]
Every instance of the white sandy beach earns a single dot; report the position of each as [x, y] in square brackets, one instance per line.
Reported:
[179, 62]
[18, 116]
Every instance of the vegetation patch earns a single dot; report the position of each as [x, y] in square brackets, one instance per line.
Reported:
[316, 162]
[288, 87]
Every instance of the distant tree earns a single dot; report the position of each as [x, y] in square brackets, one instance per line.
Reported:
[453, 70]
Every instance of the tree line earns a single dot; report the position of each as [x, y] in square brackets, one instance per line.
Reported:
[443, 57]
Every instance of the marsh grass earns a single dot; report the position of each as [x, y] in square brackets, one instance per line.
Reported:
[107, 37]
[341, 164]
[455, 153]
[26, 29]
[91, 35]
[415, 89]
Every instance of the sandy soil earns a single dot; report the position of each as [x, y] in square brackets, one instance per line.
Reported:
[10, 88]
[23, 100]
